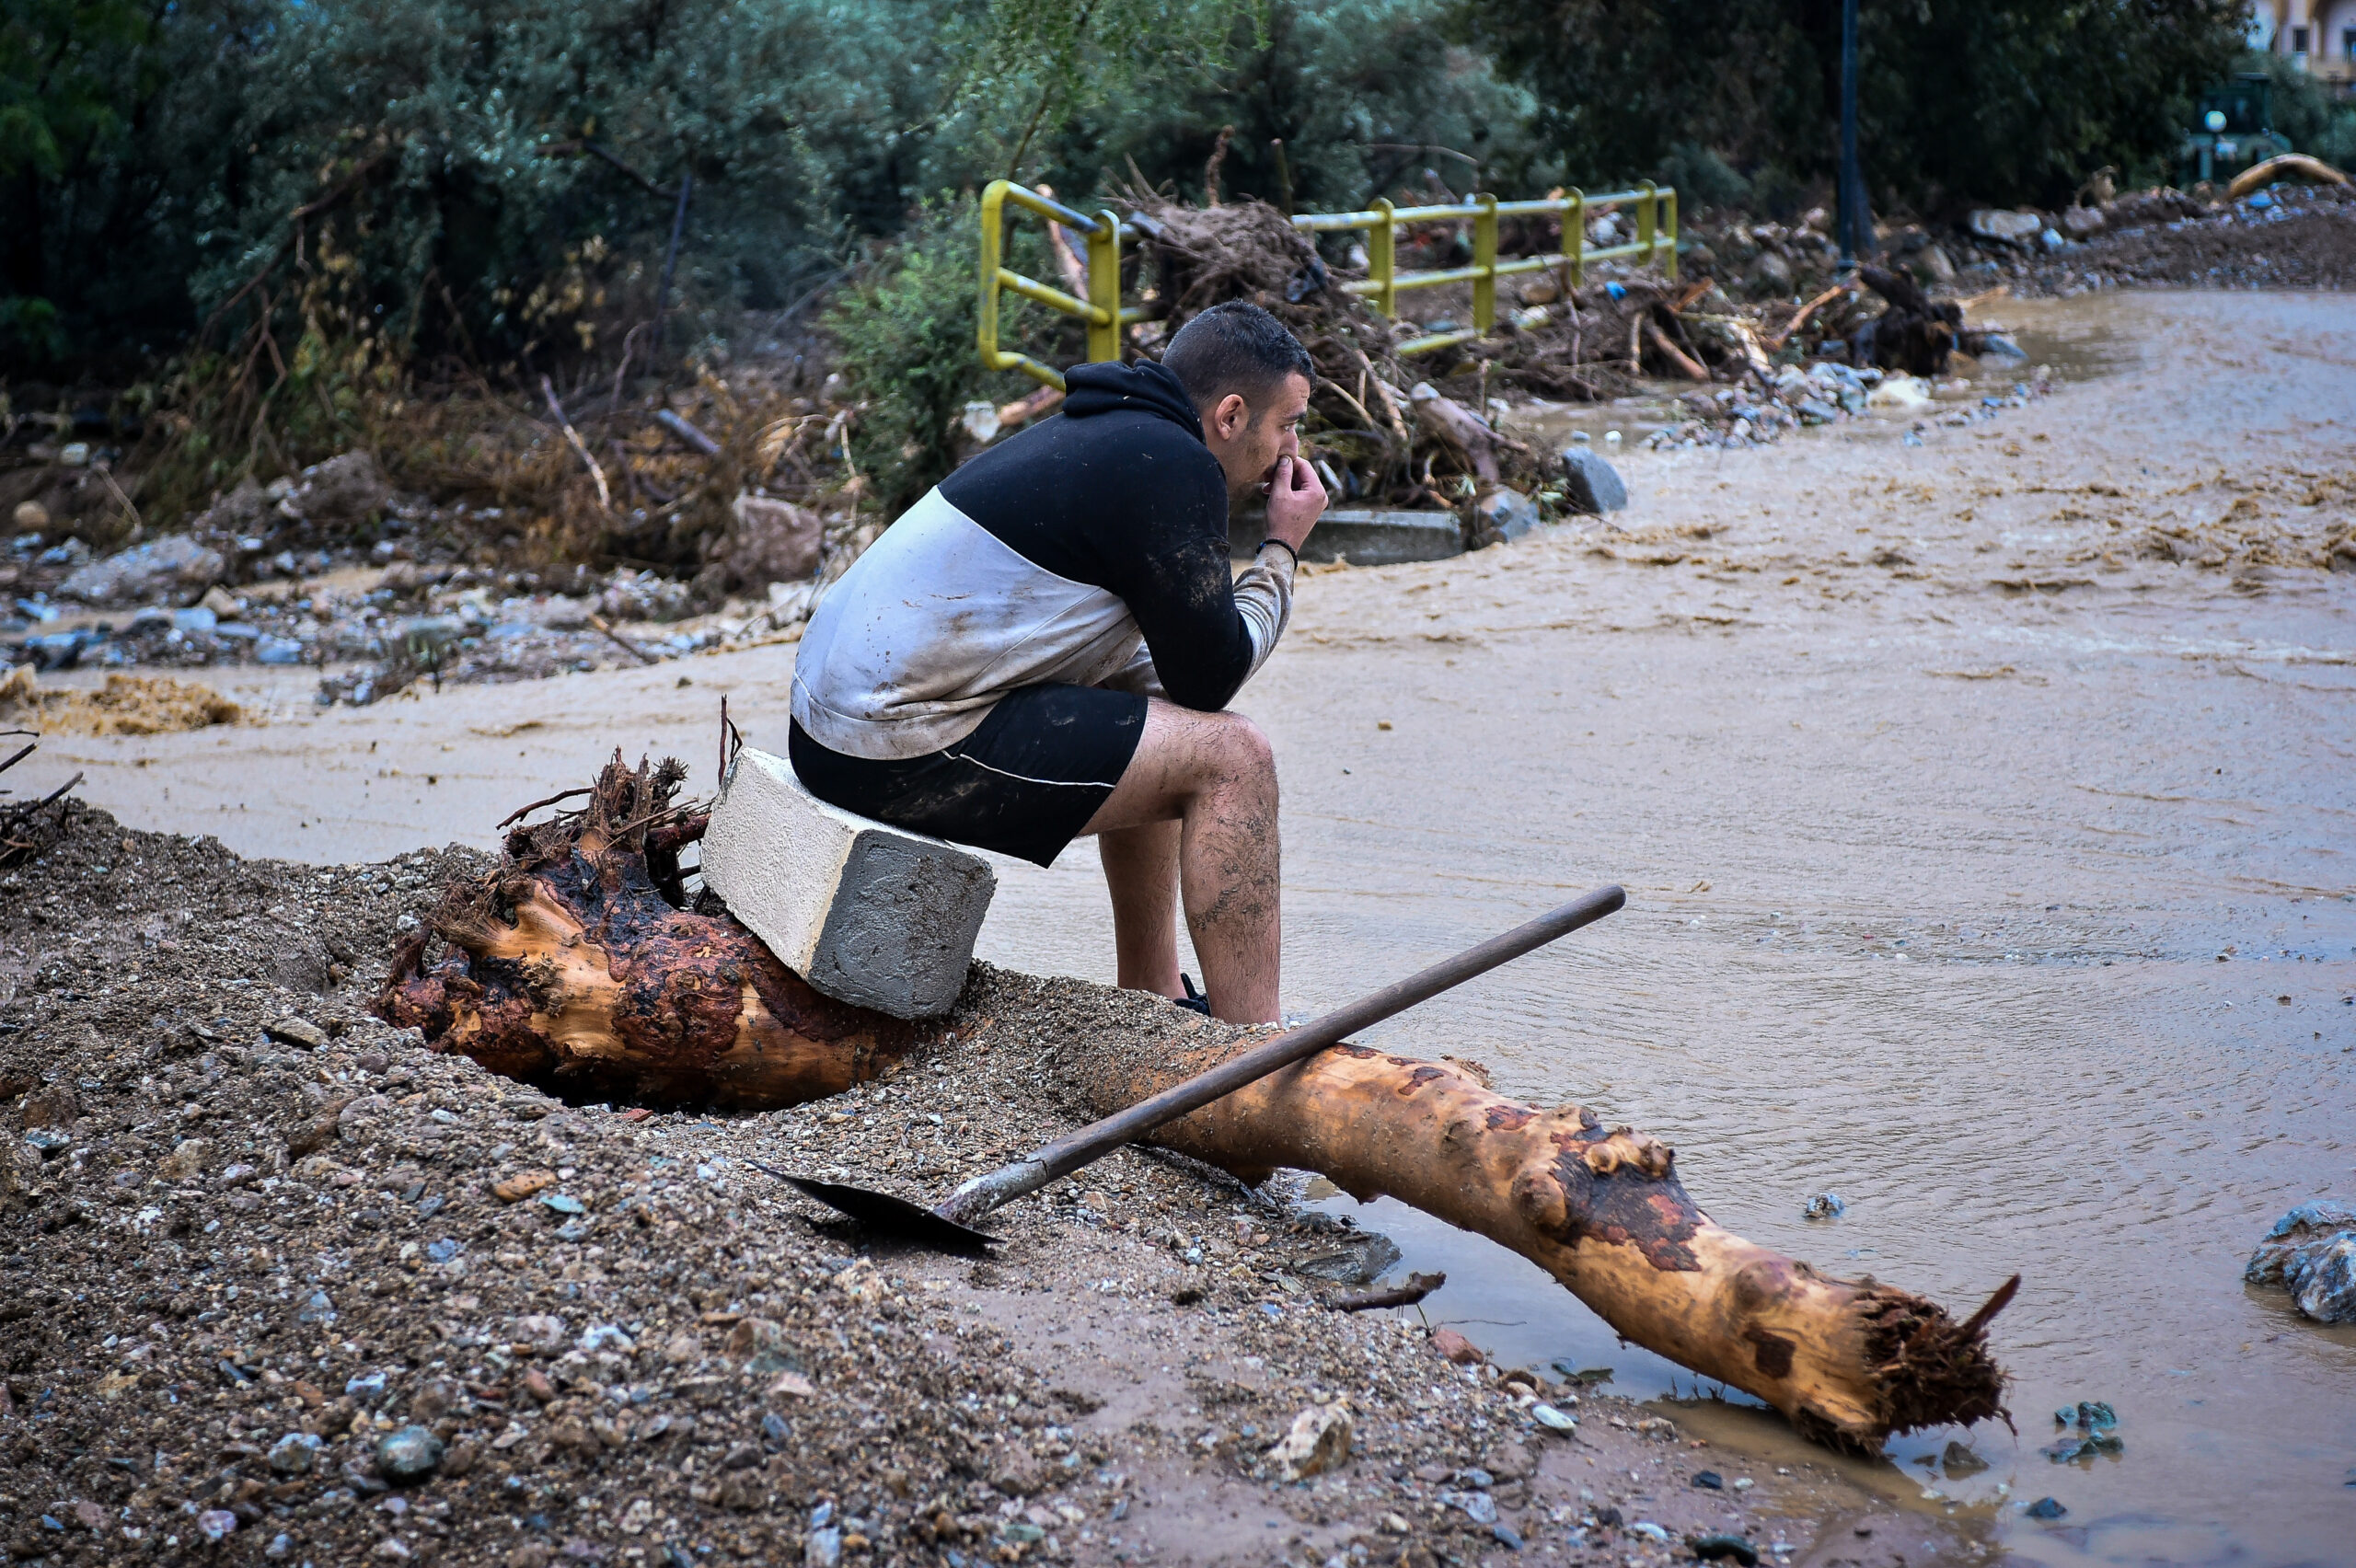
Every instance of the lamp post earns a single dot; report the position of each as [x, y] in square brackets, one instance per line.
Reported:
[1850, 203]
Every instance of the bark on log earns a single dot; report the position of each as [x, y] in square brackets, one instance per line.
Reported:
[574, 967]
[1849, 1362]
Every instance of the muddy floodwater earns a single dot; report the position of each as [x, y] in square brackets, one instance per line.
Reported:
[1987, 808]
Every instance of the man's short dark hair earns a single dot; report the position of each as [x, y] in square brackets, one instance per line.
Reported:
[1235, 347]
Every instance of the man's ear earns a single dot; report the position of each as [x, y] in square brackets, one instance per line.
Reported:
[1228, 415]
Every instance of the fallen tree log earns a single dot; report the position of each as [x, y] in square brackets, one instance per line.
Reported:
[1849, 1362]
[572, 966]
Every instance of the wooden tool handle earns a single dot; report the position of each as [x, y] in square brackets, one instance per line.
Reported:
[1085, 1144]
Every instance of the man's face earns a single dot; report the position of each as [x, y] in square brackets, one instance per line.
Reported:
[1248, 439]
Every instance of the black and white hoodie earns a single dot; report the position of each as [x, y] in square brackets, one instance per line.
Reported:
[1090, 550]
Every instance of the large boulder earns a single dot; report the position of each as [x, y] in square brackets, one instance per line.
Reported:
[176, 568]
[2311, 1252]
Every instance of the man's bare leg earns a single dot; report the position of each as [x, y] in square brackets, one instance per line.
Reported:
[1141, 870]
[1214, 776]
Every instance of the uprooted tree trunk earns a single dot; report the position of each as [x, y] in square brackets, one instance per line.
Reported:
[574, 967]
[1848, 1361]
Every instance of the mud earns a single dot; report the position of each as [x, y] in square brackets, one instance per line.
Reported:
[1973, 851]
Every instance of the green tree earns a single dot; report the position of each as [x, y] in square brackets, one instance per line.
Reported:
[1958, 99]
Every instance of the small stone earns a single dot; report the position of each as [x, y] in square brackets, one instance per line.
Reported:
[1958, 1460]
[216, 1524]
[1546, 1415]
[523, 1184]
[1709, 1480]
[1478, 1506]
[1455, 1347]
[1506, 1536]
[186, 1159]
[297, 1452]
[561, 1203]
[1717, 1548]
[406, 1454]
[1318, 1442]
[542, 1331]
[294, 1031]
[280, 1545]
[823, 1549]
[1507, 513]
[2045, 1508]
[538, 1388]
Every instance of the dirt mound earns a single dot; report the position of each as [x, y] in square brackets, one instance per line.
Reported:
[275, 1276]
[127, 705]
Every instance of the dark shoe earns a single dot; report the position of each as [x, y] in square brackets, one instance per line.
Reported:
[1193, 1001]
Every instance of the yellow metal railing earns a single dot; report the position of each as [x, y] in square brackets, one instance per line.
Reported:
[1656, 242]
[1654, 207]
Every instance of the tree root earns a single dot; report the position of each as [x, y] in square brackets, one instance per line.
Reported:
[572, 967]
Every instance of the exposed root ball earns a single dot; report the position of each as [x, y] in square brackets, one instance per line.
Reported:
[574, 967]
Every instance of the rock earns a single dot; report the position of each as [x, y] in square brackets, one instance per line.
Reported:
[175, 568]
[1709, 1480]
[2045, 1508]
[406, 1454]
[867, 913]
[682, 1350]
[1934, 264]
[523, 1184]
[2005, 228]
[1553, 1420]
[1478, 1506]
[1770, 275]
[341, 492]
[1505, 1535]
[216, 1524]
[1318, 1442]
[823, 1546]
[768, 541]
[2080, 222]
[1816, 411]
[31, 518]
[1723, 1548]
[2311, 1252]
[538, 1388]
[297, 1452]
[1590, 484]
[2087, 1415]
[543, 1332]
[1825, 1206]
[1018, 1473]
[1455, 1347]
[1361, 1259]
[751, 1337]
[1901, 393]
[294, 1031]
[186, 1159]
[1508, 514]
[1959, 1461]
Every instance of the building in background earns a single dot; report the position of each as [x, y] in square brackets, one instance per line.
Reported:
[2318, 35]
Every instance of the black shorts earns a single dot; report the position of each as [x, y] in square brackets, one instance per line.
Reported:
[1024, 783]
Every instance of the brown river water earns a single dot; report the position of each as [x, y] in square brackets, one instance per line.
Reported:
[1982, 869]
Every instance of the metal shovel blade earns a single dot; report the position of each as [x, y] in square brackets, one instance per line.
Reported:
[888, 1216]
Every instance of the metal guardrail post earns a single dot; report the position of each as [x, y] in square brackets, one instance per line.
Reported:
[1666, 201]
[1647, 214]
[1104, 289]
[1575, 235]
[1381, 256]
[1484, 259]
[993, 249]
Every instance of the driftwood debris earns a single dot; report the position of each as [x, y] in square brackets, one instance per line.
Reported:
[578, 966]
[575, 966]
[28, 828]
[1849, 1362]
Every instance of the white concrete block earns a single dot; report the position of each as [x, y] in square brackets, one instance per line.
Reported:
[867, 913]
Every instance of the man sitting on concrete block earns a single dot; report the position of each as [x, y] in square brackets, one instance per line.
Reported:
[1045, 646]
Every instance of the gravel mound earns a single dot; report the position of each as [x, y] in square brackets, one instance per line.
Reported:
[277, 1285]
